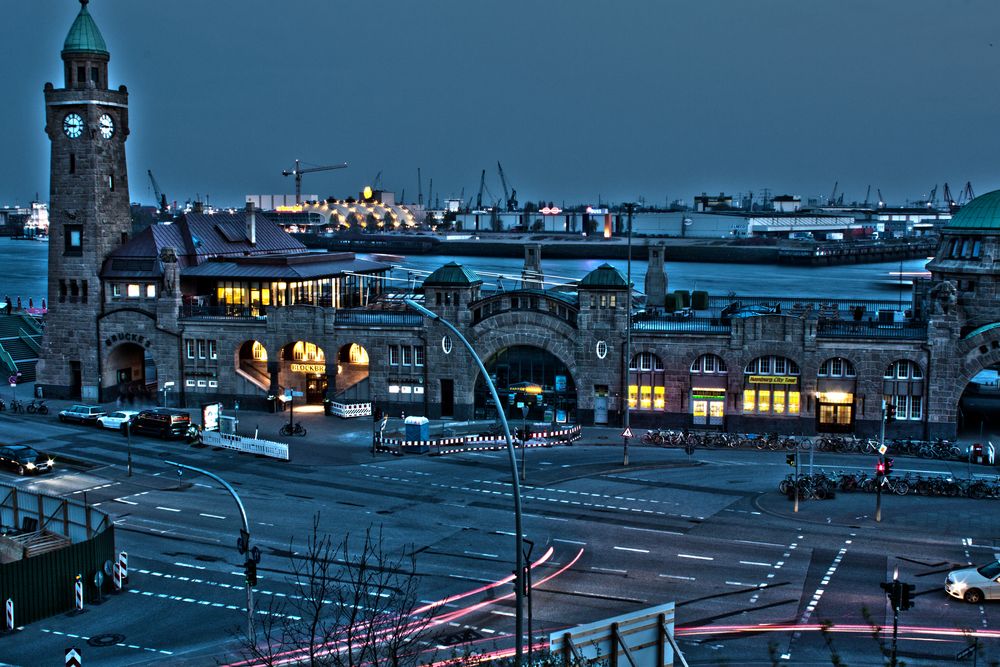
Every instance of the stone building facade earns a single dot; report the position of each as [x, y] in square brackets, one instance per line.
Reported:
[230, 308]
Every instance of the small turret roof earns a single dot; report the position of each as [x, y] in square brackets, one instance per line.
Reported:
[452, 274]
[604, 276]
[982, 213]
[84, 36]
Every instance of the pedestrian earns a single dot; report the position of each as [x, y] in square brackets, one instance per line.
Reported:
[43, 304]
[31, 303]
[8, 305]
[19, 303]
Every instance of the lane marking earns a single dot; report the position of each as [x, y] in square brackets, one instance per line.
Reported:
[695, 557]
[638, 551]
[211, 516]
[676, 576]
[753, 562]
[132, 646]
[167, 509]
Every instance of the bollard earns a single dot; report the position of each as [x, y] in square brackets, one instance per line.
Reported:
[74, 657]
[116, 576]
[78, 590]
[123, 567]
[10, 615]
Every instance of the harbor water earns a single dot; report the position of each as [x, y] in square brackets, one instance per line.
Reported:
[23, 272]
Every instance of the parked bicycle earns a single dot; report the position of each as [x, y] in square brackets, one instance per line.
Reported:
[38, 407]
[290, 429]
[16, 406]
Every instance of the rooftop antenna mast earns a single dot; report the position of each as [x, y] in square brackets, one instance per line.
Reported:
[420, 191]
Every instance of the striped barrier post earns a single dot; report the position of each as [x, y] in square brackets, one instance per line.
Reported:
[116, 576]
[10, 615]
[123, 568]
[74, 657]
[78, 592]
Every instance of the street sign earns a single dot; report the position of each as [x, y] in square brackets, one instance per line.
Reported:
[243, 542]
[12, 379]
[74, 657]
[883, 449]
[966, 652]
[627, 433]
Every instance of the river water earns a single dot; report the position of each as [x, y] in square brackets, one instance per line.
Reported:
[23, 266]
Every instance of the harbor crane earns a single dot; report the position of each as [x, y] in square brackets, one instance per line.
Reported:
[161, 199]
[510, 199]
[932, 197]
[881, 201]
[967, 194]
[833, 200]
[479, 197]
[298, 171]
[868, 194]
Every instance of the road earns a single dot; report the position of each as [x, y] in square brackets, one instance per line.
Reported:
[708, 531]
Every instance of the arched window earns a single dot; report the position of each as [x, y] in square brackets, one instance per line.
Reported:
[646, 380]
[259, 351]
[709, 363]
[838, 367]
[903, 386]
[303, 351]
[771, 386]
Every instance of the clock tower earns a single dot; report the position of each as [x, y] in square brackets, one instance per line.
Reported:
[89, 216]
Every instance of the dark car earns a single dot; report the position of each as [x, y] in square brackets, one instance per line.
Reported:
[162, 422]
[25, 460]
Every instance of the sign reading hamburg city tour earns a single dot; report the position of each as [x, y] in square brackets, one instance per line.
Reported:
[308, 368]
[774, 379]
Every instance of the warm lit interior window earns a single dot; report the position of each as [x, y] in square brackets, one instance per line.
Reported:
[358, 354]
[150, 291]
[748, 400]
[659, 398]
[633, 396]
[779, 402]
[259, 352]
[764, 400]
[793, 402]
[646, 397]
[133, 291]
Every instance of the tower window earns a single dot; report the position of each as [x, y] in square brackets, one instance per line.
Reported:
[83, 291]
[111, 182]
[81, 74]
[72, 163]
[74, 239]
[95, 77]
[62, 290]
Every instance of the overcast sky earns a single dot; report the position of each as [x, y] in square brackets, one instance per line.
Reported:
[577, 98]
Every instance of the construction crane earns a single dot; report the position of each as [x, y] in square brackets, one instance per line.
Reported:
[832, 201]
[420, 191]
[932, 197]
[868, 194]
[479, 197]
[161, 199]
[881, 201]
[509, 198]
[430, 194]
[298, 171]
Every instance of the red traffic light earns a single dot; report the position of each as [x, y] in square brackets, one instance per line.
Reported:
[880, 468]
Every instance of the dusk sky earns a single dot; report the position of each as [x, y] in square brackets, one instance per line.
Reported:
[576, 98]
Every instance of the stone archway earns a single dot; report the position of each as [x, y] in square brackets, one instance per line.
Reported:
[302, 366]
[250, 360]
[531, 377]
[353, 384]
[131, 372]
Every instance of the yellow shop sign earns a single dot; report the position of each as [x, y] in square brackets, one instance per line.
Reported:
[308, 368]
[774, 379]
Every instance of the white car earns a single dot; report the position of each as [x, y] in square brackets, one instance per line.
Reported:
[117, 419]
[974, 584]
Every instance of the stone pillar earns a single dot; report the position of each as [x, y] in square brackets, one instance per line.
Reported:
[656, 278]
[531, 274]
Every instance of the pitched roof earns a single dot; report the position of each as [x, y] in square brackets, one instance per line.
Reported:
[285, 267]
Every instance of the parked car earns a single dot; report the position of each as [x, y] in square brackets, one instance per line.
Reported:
[117, 419]
[25, 460]
[162, 422]
[84, 414]
[974, 584]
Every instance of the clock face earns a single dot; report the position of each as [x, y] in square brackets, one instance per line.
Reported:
[107, 126]
[73, 125]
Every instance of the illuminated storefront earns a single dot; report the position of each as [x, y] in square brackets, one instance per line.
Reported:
[708, 390]
[835, 390]
[771, 387]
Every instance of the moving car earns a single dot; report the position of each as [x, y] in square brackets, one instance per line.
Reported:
[117, 419]
[164, 422]
[974, 584]
[24, 460]
[84, 414]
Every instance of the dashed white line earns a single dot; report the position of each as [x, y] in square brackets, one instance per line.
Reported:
[753, 562]
[676, 576]
[211, 516]
[167, 509]
[127, 502]
[638, 551]
[479, 553]
[695, 557]
[608, 569]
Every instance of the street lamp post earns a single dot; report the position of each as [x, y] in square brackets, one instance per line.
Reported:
[628, 334]
[128, 437]
[246, 531]
[515, 481]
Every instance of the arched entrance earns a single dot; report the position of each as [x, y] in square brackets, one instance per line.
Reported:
[352, 373]
[303, 368]
[532, 377]
[979, 406]
[251, 359]
[132, 369]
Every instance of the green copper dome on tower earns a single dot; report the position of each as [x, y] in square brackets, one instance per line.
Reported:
[981, 214]
[84, 37]
[604, 277]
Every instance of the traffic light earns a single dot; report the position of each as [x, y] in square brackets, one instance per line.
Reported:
[790, 459]
[893, 590]
[890, 412]
[879, 468]
[251, 571]
[906, 596]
